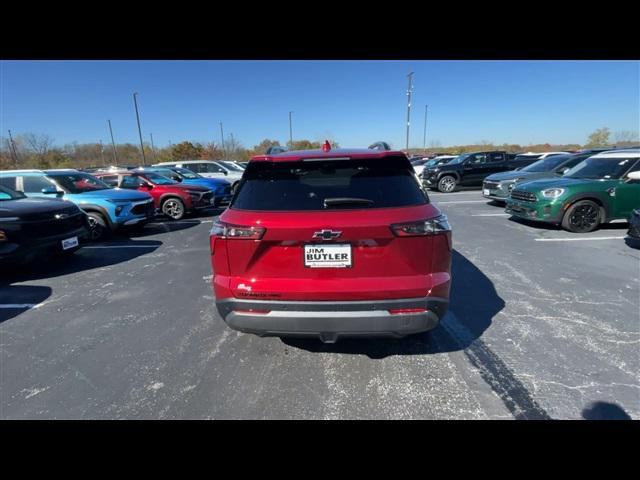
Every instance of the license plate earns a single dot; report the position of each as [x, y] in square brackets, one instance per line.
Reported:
[486, 192]
[327, 256]
[69, 243]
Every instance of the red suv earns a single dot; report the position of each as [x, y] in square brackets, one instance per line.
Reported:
[327, 244]
[171, 198]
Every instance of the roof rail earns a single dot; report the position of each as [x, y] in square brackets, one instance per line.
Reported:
[379, 146]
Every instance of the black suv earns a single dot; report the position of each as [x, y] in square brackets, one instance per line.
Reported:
[31, 227]
[470, 169]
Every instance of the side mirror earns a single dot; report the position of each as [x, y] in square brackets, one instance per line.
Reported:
[564, 170]
[225, 172]
[178, 179]
[633, 176]
[147, 186]
[52, 191]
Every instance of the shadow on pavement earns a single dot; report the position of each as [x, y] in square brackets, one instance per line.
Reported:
[551, 226]
[91, 256]
[604, 411]
[15, 300]
[632, 242]
[474, 302]
[157, 227]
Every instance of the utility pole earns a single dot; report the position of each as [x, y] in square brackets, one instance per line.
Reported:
[153, 149]
[102, 154]
[224, 152]
[113, 144]
[144, 159]
[424, 140]
[12, 147]
[409, 91]
[290, 132]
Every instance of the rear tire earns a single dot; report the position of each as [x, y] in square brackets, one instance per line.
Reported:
[173, 208]
[98, 228]
[582, 217]
[447, 184]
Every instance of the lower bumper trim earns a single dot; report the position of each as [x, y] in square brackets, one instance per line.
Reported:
[330, 321]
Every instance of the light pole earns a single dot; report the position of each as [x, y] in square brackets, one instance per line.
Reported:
[424, 140]
[102, 154]
[144, 159]
[409, 91]
[13, 150]
[153, 150]
[222, 136]
[290, 132]
[113, 144]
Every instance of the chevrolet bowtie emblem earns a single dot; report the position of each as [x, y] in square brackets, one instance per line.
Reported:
[327, 234]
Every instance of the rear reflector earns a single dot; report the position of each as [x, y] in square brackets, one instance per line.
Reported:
[401, 311]
[252, 311]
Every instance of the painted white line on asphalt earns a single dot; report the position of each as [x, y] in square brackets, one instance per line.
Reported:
[462, 201]
[576, 239]
[122, 246]
[491, 215]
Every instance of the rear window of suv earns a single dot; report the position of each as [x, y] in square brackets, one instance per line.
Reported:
[305, 185]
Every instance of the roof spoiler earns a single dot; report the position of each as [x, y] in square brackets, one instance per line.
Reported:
[379, 146]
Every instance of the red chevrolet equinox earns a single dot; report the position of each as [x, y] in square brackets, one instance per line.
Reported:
[331, 243]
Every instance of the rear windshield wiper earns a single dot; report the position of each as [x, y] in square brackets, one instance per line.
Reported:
[339, 201]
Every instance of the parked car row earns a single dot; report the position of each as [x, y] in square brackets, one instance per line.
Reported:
[579, 191]
[35, 203]
[471, 169]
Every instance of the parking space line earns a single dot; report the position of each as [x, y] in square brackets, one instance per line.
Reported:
[576, 239]
[463, 201]
[491, 215]
[121, 246]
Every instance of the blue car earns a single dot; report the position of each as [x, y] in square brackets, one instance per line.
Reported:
[109, 209]
[221, 187]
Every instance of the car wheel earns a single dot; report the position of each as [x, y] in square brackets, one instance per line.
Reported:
[447, 184]
[173, 208]
[582, 217]
[97, 226]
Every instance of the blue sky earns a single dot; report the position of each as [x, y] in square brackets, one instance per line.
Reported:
[354, 102]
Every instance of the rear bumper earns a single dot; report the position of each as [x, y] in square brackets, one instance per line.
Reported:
[329, 321]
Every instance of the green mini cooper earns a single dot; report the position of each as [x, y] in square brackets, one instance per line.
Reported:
[595, 191]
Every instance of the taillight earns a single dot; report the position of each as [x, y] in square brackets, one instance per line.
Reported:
[226, 230]
[432, 226]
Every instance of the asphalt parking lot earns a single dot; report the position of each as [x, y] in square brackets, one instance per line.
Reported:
[543, 324]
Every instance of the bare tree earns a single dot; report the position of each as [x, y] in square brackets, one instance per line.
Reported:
[40, 144]
[626, 136]
[234, 148]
